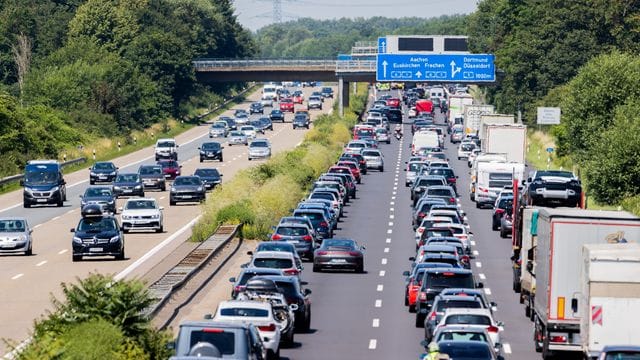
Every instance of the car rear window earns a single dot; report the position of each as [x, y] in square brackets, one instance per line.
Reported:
[461, 335]
[467, 352]
[450, 279]
[292, 231]
[225, 341]
[370, 153]
[441, 171]
[457, 304]
[429, 182]
[468, 319]
[439, 192]
[249, 312]
[275, 263]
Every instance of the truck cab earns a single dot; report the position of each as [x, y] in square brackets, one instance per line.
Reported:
[43, 183]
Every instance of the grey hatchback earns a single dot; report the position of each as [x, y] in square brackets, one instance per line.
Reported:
[297, 234]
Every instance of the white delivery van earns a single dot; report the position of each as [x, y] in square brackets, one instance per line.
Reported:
[269, 92]
[479, 159]
[492, 177]
[425, 139]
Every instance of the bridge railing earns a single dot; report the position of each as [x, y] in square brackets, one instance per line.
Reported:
[355, 65]
[204, 64]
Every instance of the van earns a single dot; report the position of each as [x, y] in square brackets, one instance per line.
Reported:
[492, 177]
[269, 92]
[429, 139]
[43, 183]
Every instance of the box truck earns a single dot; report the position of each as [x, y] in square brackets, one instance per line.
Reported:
[473, 115]
[525, 240]
[609, 304]
[510, 139]
[456, 106]
[493, 119]
[562, 232]
[492, 177]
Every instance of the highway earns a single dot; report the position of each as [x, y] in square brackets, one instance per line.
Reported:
[29, 282]
[362, 316]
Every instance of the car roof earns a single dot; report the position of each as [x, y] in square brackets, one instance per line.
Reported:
[260, 270]
[454, 270]
[273, 254]
[292, 225]
[140, 199]
[430, 247]
[215, 324]
[282, 278]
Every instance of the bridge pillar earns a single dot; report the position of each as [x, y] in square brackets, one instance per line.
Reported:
[343, 93]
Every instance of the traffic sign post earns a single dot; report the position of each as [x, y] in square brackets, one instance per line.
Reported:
[382, 45]
[435, 67]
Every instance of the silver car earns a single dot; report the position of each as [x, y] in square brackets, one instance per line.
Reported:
[259, 149]
[314, 102]
[219, 129]
[374, 159]
[15, 235]
[237, 137]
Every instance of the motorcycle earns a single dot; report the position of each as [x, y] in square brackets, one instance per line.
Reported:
[398, 135]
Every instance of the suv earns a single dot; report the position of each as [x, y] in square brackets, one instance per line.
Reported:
[300, 235]
[43, 183]
[441, 303]
[327, 92]
[101, 196]
[102, 171]
[211, 151]
[187, 189]
[97, 234]
[142, 214]
[546, 187]
[152, 177]
[166, 149]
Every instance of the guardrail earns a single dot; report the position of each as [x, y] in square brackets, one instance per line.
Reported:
[14, 178]
[355, 65]
[226, 102]
[206, 64]
[162, 289]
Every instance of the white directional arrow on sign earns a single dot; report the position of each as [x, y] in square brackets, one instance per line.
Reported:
[384, 67]
[418, 74]
[454, 69]
[384, 46]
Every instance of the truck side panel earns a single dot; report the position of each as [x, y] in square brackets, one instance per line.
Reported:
[510, 140]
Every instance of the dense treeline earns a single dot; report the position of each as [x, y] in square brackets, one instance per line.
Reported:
[310, 38]
[581, 56]
[104, 67]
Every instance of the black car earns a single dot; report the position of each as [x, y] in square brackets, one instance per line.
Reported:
[247, 274]
[448, 174]
[362, 163]
[256, 108]
[210, 177]
[291, 288]
[265, 124]
[339, 254]
[152, 177]
[300, 121]
[211, 151]
[187, 189]
[128, 184]
[231, 123]
[102, 171]
[276, 115]
[320, 222]
[499, 210]
[327, 92]
[101, 196]
[97, 234]
[553, 188]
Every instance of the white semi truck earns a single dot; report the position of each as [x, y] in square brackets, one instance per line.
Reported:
[562, 232]
[509, 139]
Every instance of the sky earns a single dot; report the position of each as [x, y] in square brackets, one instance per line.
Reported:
[254, 14]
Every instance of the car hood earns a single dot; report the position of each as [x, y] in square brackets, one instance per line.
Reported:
[9, 236]
[152, 176]
[97, 198]
[140, 212]
[131, 183]
[103, 171]
[100, 234]
[186, 187]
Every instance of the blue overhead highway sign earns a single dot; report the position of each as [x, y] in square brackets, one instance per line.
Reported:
[436, 67]
[382, 45]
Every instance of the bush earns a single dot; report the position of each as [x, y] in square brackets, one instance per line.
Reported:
[236, 213]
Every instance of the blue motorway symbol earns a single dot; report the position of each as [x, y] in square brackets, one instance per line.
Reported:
[436, 67]
[382, 45]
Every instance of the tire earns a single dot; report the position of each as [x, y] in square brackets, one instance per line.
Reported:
[125, 230]
[120, 256]
[91, 182]
[316, 268]
[172, 203]
[306, 325]
[419, 321]
[359, 181]
[76, 258]
[29, 251]
[406, 299]
[382, 169]
[503, 234]
[60, 203]
[478, 205]
[249, 159]
[494, 227]
[360, 269]
[160, 229]
[412, 308]
[26, 204]
[290, 339]
[201, 160]
[221, 159]
[164, 188]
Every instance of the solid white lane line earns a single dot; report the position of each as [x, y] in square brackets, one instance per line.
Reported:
[378, 303]
[507, 348]
[482, 276]
[70, 211]
[41, 263]
[10, 207]
[162, 197]
[373, 343]
[375, 323]
[487, 291]
[62, 251]
[380, 287]
[17, 277]
[386, 250]
[55, 218]
[478, 264]
[37, 226]
[384, 261]
[382, 273]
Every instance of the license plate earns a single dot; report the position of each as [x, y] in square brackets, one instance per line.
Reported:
[41, 200]
[340, 261]
[186, 196]
[167, 175]
[127, 191]
[96, 249]
[293, 242]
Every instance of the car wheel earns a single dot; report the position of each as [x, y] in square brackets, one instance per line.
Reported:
[249, 159]
[477, 205]
[160, 229]
[290, 339]
[419, 321]
[91, 182]
[120, 256]
[26, 204]
[172, 203]
[503, 234]
[316, 268]
[221, 159]
[29, 251]
[75, 258]
[230, 144]
[125, 230]
[412, 308]
[307, 127]
[360, 269]
[382, 169]
[201, 160]
[164, 188]
[406, 299]
[60, 203]
[494, 227]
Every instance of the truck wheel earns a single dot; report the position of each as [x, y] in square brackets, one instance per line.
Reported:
[503, 234]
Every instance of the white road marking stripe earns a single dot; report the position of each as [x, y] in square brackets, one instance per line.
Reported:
[487, 291]
[380, 287]
[41, 263]
[17, 277]
[388, 241]
[475, 253]
[384, 261]
[389, 231]
[70, 211]
[393, 198]
[478, 264]
[390, 223]
[507, 348]
[482, 276]
[375, 323]
[382, 273]
[395, 183]
[395, 188]
[10, 207]
[391, 216]
[373, 343]
[472, 242]
[55, 218]
[392, 209]
[392, 203]
[386, 250]
[37, 226]
[162, 197]
[378, 303]
[393, 193]
[62, 251]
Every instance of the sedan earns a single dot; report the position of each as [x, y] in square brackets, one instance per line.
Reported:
[506, 223]
[237, 137]
[314, 102]
[340, 254]
[219, 129]
[300, 121]
[286, 105]
[499, 209]
[15, 235]
[276, 115]
[374, 159]
[128, 184]
[382, 135]
[249, 131]
[256, 108]
[100, 195]
[259, 149]
[211, 151]
[210, 177]
[187, 189]
[170, 168]
[102, 171]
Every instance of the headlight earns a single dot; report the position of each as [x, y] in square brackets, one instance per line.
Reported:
[55, 188]
[155, 216]
[83, 203]
[112, 173]
[110, 202]
[77, 240]
[116, 188]
[199, 188]
[126, 217]
[173, 189]
[114, 239]
[22, 238]
[138, 186]
[201, 152]
[93, 174]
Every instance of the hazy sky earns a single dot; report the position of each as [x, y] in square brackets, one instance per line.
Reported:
[255, 14]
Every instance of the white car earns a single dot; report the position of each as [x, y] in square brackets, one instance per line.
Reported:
[481, 318]
[355, 147]
[249, 131]
[218, 129]
[257, 313]
[461, 232]
[259, 149]
[374, 159]
[15, 235]
[465, 148]
[166, 149]
[281, 260]
[142, 214]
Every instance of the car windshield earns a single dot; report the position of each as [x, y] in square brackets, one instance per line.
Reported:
[439, 192]
[224, 341]
[468, 146]
[623, 355]
[12, 226]
[188, 180]
[244, 312]
[467, 319]
[207, 172]
[140, 204]
[165, 144]
[128, 178]
[276, 112]
[274, 263]
[263, 144]
[370, 153]
[218, 126]
[292, 231]
[429, 182]
[300, 118]
[97, 192]
[211, 146]
[41, 177]
[415, 166]
[356, 145]
[237, 133]
[313, 216]
[567, 174]
[103, 166]
[441, 171]
[150, 170]
[450, 279]
[97, 224]
[276, 246]
[247, 128]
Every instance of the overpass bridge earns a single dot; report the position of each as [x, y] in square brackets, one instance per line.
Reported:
[342, 71]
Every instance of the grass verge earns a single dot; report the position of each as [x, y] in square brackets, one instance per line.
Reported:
[259, 196]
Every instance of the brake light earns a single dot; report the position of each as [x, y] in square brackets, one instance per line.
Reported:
[307, 238]
[276, 237]
[433, 316]
[558, 339]
[291, 271]
[322, 252]
[499, 211]
[452, 180]
[465, 258]
[324, 224]
[354, 253]
[421, 215]
[270, 327]
[483, 189]
[420, 230]
[422, 296]
[448, 274]
[493, 329]
[210, 330]
[452, 200]
[238, 288]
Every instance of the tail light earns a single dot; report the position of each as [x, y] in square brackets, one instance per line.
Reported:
[483, 189]
[270, 327]
[558, 339]
[433, 316]
[210, 330]
[307, 238]
[291, 271]
[493, 329]
[422, 296]
[321, 253]
[499, 211]
[354, 253]
[452, 200]
[324, 224]
[276, 237]
[465, 258]
[238, 288]
[420, 230]
[421, 215]
[451, 180]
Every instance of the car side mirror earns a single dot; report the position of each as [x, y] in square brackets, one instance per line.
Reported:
[199, 148]
[500, 323]
[170, 345]
[120, 208]
[406, 273]
[63, 182]
[72, 230]
[529, 180]
[244, 265]
[161, 208]
[307, 291]
[530, 266]
[21, 182]
[180, 165]
[412, 258]
[480, 285]
[30, 231]
[221, 147]
[221, 175]
[232, 279]
[250, 253]
[208, 316]
[293, 307]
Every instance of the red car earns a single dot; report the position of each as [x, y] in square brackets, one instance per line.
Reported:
[298, 97]
[170, 168]
[339, 169]
[353, 166]
[393, 102]
[286, 105]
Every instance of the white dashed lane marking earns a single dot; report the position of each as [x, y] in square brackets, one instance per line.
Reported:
[386, 250]
[482, 276]
[390, 223]
[41, 263]
[472, 242]
[373, 343]
[380, 287]
[382, 273]
[388, 241]
[375, 323]
[478, 264]
[475, 252]
[378, 303]
[16, 277]
[384, 261]
[389, 231]
[62, 251]
[487, 291]
[507, 348]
